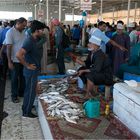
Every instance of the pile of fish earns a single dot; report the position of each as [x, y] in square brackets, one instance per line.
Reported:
[58, 105]
[58, 86]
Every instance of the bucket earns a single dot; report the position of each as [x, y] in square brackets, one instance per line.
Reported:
[92, 108]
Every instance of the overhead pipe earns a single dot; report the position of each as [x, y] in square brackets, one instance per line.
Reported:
[101, 10]
[135, 14]
[35, 12]
[47, 11]
[128, 14]
[72, 16]
[60, 4]
[113, 10]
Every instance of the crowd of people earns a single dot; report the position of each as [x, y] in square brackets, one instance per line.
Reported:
[24, 45]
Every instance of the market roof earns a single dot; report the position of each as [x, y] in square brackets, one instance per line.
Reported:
[107, 4]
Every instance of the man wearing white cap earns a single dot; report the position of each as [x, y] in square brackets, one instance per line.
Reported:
[97, 68]
[119, 57]
[132, 34]
[99, 32]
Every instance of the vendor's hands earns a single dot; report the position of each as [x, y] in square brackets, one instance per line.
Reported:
[80, 72]
[31, 66]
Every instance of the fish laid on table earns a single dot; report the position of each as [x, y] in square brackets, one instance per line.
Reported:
[57, 104]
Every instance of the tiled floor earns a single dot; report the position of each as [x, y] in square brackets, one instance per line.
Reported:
[14, 126]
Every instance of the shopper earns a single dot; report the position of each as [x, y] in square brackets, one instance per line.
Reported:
[59, 45]
[3, 52]
[119, 57]
[99, 32]
[14, 41]
[30, 56]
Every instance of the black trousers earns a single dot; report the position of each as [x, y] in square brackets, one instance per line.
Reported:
[17, 80]
[60, 60]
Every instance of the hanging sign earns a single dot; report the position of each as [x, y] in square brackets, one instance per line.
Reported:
[86, 5]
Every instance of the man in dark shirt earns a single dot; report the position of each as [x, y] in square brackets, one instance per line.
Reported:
[30, 56]
[97, 68]
[59, 45]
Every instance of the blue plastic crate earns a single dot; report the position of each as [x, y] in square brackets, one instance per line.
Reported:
[129, 76]
[42, 77]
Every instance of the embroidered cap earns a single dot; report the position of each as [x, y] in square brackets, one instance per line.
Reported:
[95, 40]
[120, 26]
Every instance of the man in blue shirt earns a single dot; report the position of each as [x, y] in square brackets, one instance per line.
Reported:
[3, 53]
[30, 56]
[99, 32]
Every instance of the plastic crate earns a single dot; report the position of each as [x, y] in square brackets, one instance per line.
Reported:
[43, 77]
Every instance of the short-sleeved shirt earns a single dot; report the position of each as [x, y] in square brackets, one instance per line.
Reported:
[3, 41]
[16, 39]
[133, 38]
[1, 30]
[104, 39]
[33, 55]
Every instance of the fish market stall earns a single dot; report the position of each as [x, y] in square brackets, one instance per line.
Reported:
[64, 114]
[54, 104]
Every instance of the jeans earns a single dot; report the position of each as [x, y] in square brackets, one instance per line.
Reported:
[29, 94]
[17, 80]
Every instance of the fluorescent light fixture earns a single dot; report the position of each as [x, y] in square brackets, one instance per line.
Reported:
[94, 2]
[41, 0]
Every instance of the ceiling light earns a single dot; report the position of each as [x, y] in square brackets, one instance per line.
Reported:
[94, 2]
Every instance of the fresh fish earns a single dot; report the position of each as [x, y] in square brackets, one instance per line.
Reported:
[72, 104]
[74, 117]
[54, 105]
[70, 120]
[54, 93]
[57, 103]
[57, 111]
[53, 113]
